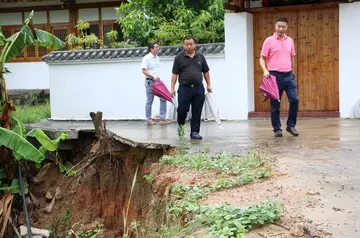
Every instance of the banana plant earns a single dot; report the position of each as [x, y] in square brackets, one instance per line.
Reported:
[16, 140]
[11, 143]
[15, 45]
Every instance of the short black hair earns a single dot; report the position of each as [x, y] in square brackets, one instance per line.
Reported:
[190, 37]
[151, 46]
[282, 19]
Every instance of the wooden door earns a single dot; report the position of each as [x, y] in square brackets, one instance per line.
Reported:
[315, 35]
[317, 58]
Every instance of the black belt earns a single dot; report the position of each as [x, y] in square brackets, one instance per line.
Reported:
[193, 85]
[281, 73]
[149, 79]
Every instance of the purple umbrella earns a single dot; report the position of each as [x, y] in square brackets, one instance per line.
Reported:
[159, 89]
[269, 88]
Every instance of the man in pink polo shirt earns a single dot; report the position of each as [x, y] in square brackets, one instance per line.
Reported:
[277, 59]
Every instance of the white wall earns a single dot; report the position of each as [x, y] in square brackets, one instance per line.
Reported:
[30, 4]
[91, 14]
[117, 89]
[8, 19]
[349, 82]
[59, 16]
[109, 13]
[27, 75]
[38, 17]
[239, 63]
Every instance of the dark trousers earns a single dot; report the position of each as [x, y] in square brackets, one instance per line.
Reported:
[286, 81]
[194, 96]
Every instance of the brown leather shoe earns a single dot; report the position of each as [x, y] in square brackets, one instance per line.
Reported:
[151, 122]
[165, 121]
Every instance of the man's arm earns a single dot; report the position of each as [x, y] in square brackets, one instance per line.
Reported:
[173, 83]
[144, 71]
[208, 83]
[265, 51]
[205, 69]
[263, 65]
[174, 76]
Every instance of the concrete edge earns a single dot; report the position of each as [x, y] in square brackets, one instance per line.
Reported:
[74, 134]
[140, 144]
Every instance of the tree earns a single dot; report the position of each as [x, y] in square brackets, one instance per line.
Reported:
[168, 21]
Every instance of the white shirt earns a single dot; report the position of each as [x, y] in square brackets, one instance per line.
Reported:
[150, 63]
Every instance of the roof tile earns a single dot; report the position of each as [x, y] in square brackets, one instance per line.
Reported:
[108, 54]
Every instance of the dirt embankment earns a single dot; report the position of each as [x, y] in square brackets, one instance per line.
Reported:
[99, 193]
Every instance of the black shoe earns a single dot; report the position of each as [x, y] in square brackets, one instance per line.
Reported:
[292, 131]
[278, 133]
[195, 136]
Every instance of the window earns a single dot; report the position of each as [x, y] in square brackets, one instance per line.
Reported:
[109, 26]
[61, 31]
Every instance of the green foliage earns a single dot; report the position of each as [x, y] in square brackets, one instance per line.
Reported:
[16, 140]
[228, 221]
[20, 146]
[14, 187]
[223, 163]
[31, 114]
[27, 36]
[2, 38]
[91, 233]
[222, 221]
[83, 41]
[150, 178]
[168, 21]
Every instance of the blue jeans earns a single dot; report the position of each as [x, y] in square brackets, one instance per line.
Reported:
[194, 96]
[285, 81]
[149, 100]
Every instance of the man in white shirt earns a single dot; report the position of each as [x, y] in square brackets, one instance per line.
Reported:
[150, 64]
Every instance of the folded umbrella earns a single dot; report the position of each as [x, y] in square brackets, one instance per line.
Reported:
[159, 89]
[269, 88]
[210, 100]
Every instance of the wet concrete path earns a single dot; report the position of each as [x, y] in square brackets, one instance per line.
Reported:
[325, 158]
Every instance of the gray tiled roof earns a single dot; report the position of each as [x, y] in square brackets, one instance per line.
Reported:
[123, 53]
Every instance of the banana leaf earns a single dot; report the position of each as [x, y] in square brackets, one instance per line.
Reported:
[27, 36]
[46, 143]
[17, 127]
[14, 187]
[20, 146]
[2, 37]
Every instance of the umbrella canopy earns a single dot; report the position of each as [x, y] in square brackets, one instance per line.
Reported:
[269, 88]
[210, 100]
[159, 89]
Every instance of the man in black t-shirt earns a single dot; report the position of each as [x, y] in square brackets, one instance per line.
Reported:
[190, 66]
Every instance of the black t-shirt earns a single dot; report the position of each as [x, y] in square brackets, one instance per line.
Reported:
[190, 70]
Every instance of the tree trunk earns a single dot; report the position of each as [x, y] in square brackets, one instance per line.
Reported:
[6, 156]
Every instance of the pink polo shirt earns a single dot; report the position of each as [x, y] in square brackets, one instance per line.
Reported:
[278, 53]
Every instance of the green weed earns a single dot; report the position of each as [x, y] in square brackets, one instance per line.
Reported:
[224, 163]
[32, 114]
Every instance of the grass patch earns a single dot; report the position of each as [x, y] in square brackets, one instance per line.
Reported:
[32, 114]
[223, 163]
[200, 220]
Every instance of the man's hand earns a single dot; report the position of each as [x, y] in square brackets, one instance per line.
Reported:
[209, 89]
[173, 93]
[266, 73]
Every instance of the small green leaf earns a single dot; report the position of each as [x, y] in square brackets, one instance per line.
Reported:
[2, 173]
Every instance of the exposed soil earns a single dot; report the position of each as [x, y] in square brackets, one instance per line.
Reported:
[100, 191]
[98, 194]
